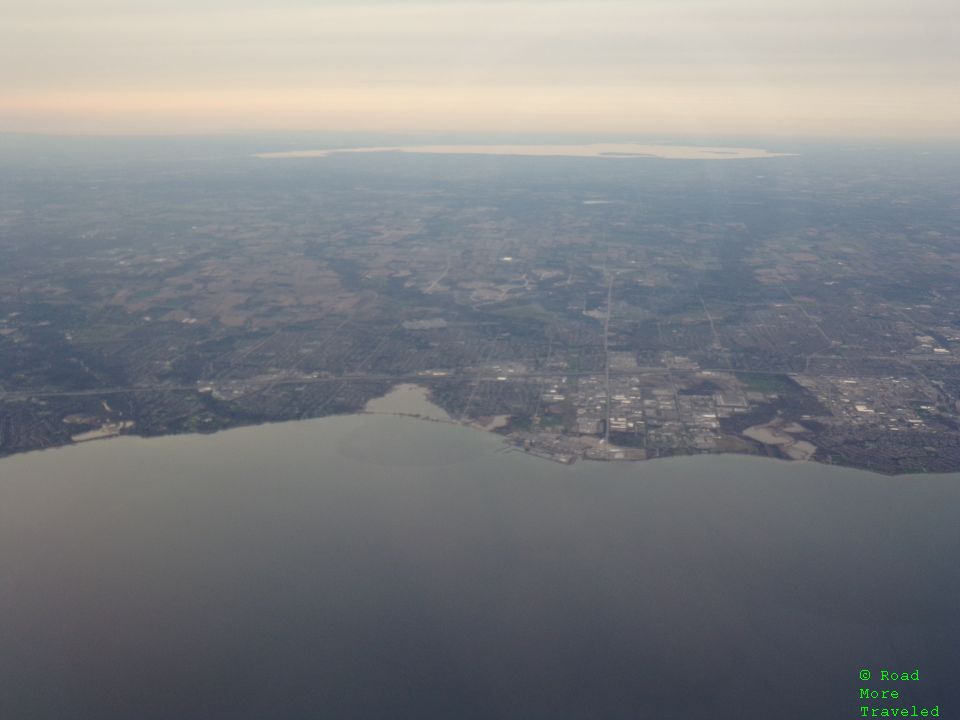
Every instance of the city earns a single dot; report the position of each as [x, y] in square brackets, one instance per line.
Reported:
[580, 307]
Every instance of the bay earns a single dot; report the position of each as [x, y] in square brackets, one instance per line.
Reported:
[372, 566]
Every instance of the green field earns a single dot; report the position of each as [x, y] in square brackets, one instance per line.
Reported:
[759, 382]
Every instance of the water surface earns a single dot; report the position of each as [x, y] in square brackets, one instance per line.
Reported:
[385, 567]
[594, 150]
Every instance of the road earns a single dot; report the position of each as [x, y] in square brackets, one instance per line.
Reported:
[259, 383]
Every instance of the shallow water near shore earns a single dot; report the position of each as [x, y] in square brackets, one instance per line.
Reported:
[373, 566]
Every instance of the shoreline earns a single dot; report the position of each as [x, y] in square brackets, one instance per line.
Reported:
[508, 444]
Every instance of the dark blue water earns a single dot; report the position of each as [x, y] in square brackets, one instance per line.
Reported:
[377, 567]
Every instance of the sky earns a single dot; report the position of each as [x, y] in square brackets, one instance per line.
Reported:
[869, 68]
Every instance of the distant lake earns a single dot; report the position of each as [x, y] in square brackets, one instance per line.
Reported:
[372, 566]
[598, 150]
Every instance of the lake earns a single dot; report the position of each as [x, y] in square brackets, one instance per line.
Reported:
[591, 150]
[373, 566]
